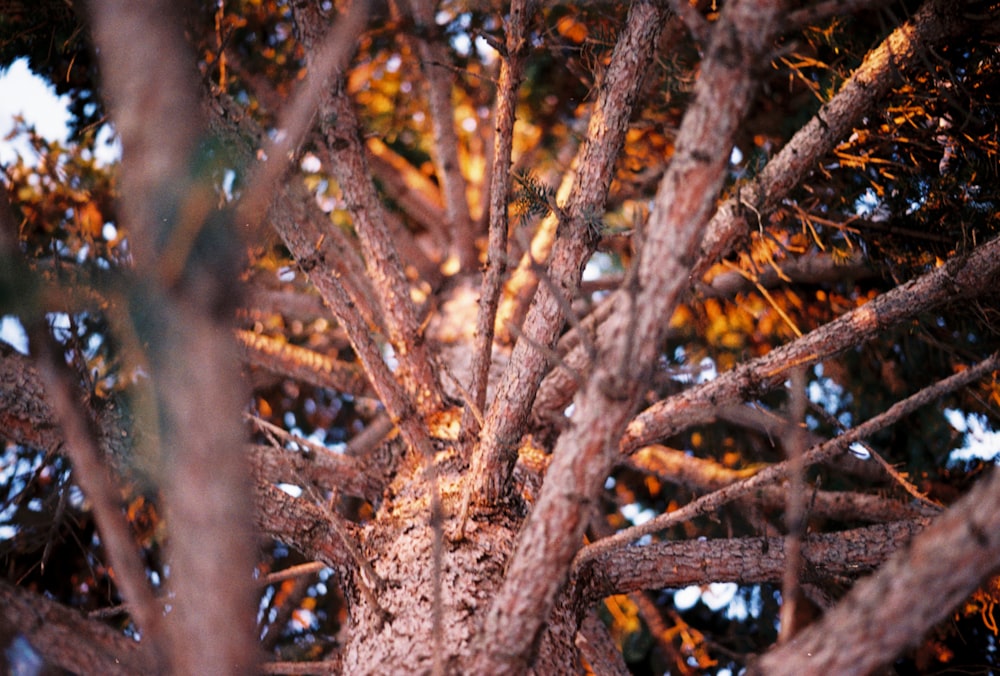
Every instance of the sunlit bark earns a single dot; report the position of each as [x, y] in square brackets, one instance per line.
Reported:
[554, 530]
[468, 518]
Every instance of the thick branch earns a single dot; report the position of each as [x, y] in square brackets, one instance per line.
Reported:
[822, 453]
[320, 467]
[964, 276]
[183, 313]
[744, 560]
[581, 460]
[303, 525]
[936, 21]
[66, 639]
[495, 457]
[893, 609]
[293, 361]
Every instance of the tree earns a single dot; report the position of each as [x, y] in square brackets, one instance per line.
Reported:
[452, 339]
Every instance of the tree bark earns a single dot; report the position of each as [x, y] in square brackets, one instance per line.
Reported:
[65, 638]
[184, 314]
[883, 67]
[888, 612]
[582, 457]
[964, 276]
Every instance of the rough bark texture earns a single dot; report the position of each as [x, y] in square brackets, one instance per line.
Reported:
[828, 450]
[825, 557]
[469, 552]
[494, 459]
[64, 639]
[882, 615]
[963, 276]
[511, 72]
[581, 459]
[883, 67]
[400, 544]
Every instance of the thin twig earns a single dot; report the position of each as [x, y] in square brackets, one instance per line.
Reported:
[296, 117]
[795, 509]
[447, 166]
[82, 449]
[821, 453]
[289, 573]
[511, 73]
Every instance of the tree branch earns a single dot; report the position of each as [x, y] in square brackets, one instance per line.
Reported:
[743, 560]
[511, 73]
[343, 153]
[303, 525]
[66, 639]
[80, 446]
[866, 87]
[415, 194]
[326, 59]
[815, 268]
[301, 363]
[778, 472]
[597, 647]
[698, 474]
[887, 613]
[963, 276]
[183, 313]
[26, 415]
[319, 467]
[323, 250]
[433, 56]
[494, 458]
[554, 530]
[557, 389]
[936, 21]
